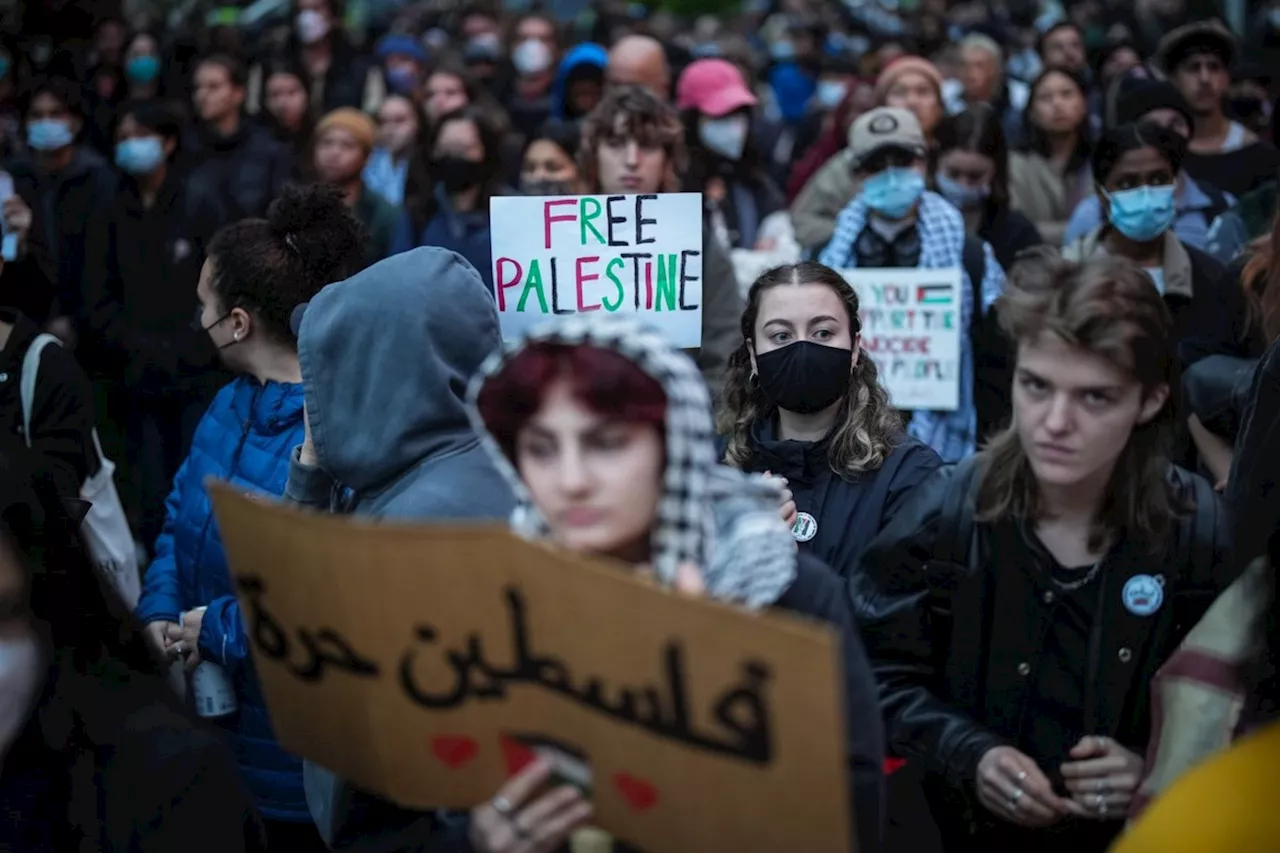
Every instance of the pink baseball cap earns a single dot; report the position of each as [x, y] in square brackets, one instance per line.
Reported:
[713, 87]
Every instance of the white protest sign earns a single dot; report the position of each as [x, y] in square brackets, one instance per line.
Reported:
[637, 254]
[911, 327]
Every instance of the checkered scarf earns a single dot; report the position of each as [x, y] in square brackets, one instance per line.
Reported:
[719, 519]
[951, 434]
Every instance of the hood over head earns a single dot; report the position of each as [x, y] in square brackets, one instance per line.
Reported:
[725, 522]
[584, 56]
[386, 356]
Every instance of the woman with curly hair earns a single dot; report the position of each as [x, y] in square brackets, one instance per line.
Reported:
[256, 272]
[803, 401]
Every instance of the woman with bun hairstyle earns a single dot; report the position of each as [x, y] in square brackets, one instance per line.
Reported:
[604, 432]
[803, 401]
[256, 272]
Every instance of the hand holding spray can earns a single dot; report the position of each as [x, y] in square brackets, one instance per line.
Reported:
[212, 690]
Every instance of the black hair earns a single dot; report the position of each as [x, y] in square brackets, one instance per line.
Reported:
[977, 129]
[66, 91]
[160, 116]
[80, 616]
[565, 135]
[1061, 25]
[1037, 141]
[234, 67]
[310, 238]
[1118, 141]
[287, 64]
[421, 179]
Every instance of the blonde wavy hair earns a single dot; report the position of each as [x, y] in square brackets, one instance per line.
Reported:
[868, 427]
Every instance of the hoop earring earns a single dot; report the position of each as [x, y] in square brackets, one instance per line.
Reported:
[753, 381]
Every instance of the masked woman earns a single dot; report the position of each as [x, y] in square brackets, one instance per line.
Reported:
[1017, 607]
[803, 401]
[605, 433]
[256, 272]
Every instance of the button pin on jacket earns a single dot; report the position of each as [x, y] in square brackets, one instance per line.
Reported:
[1142, 595]
[805, 528]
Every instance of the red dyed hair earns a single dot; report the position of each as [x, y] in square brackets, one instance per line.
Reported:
[603, 381]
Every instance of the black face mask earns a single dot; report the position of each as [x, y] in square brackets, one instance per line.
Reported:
[458, 174]
[805, 377]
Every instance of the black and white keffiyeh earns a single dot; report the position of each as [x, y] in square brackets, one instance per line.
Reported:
[717, 518]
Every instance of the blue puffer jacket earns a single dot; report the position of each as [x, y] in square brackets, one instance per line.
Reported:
[246, 437]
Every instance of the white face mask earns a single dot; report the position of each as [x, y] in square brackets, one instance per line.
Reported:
[19, 681]
[531, 56]
[312, 26]
[725, 136]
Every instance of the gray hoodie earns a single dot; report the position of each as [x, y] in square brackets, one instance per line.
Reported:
[386, 356]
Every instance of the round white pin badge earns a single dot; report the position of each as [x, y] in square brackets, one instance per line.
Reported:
[805, 528]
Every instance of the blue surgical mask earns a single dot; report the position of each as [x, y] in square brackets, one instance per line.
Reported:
[830, 93]
[49, 134]
[140, 156]
[142, 69]
[963, 196]
[893, 192]
[1144, 213]
[782, 50]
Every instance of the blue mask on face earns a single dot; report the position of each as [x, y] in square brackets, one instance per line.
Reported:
[49, 134]
[140, 156]
[963, 196]
[1144, 213]
[893, 192]
[142, 69]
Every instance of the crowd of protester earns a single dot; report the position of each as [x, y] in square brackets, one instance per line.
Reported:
[259, 249]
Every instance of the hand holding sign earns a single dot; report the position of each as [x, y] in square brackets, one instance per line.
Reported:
[523, 817]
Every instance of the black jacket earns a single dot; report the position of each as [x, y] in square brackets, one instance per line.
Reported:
[1008, 232]
[62, 417]
[144, 265]
[954, 632]
[248, 167]
[848, 513]
[62, 206]
[109, 764]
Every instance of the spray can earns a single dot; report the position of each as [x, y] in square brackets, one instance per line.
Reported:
[212, 691]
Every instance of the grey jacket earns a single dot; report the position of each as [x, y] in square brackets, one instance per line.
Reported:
[386, 356]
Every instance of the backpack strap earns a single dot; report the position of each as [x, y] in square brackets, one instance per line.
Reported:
[974, 258]
[27, 385]
[1201, 552]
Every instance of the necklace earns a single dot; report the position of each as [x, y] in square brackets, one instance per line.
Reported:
[1072, 586]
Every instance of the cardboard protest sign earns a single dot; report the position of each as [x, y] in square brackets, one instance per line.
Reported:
[637, 254]
[911, 323]
[428, 664]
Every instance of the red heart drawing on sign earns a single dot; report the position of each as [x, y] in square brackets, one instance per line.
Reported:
[454, 750]
[515, 755]
[639, 793]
